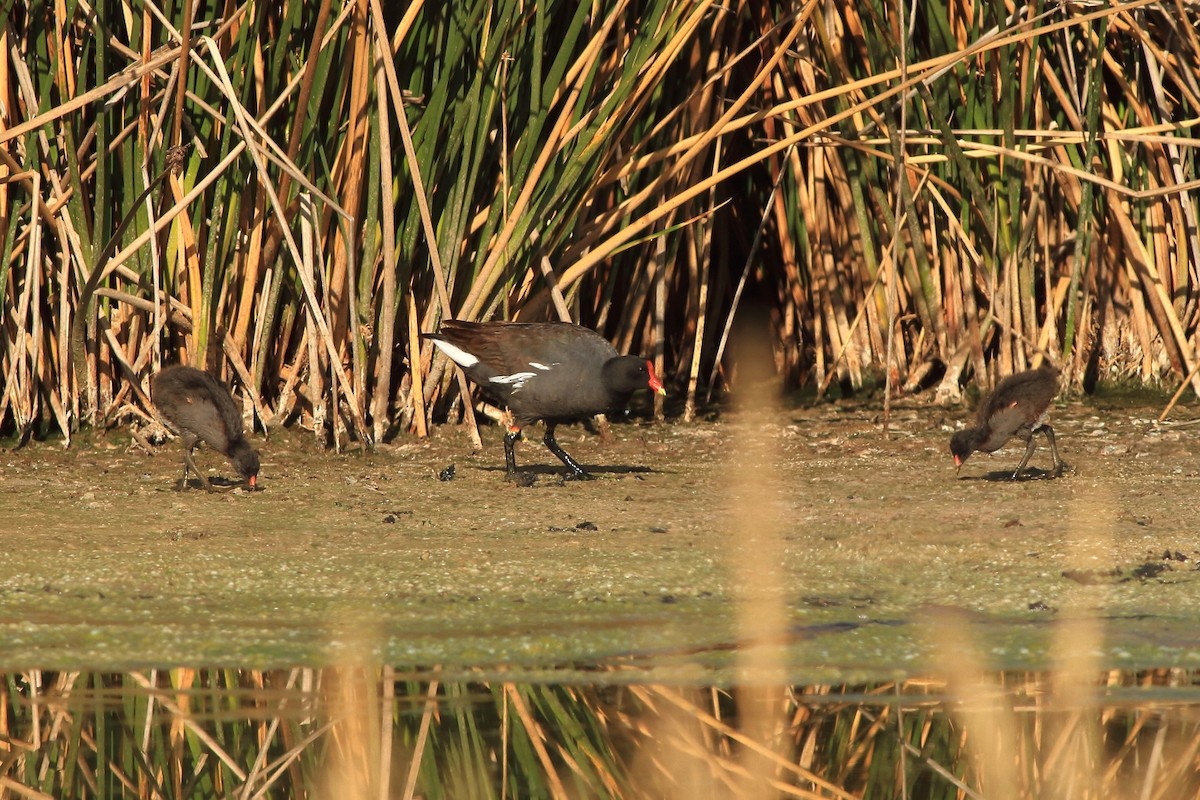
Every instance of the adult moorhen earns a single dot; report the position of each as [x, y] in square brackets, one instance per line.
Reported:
[1018, 407]
[200, 408]
[552, 371]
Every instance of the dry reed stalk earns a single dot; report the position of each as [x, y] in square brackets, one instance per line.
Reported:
[417, 394]
[258, 251]
[287, 762]
[854, 326]
[656, 327]
[338, 385]
[419, 746]
[695, 148]
[234, 355]
[348, 173]
[117, 83]
[721, 760]
[266, 735]
[637, 299]
[387, 700]
[16, 368]
[440, 283]
[181, 720]
[316, 383]
[536, 739]
[385, 335]
[700, 249]
[699, 253]
[491, 270]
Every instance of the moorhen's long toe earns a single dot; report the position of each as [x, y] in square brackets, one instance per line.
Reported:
[200, 409]
[550, 371]
[1019, 407]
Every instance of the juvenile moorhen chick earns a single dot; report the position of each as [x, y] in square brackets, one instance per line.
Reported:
[200, 408]
[1018, 407]
[551, 371]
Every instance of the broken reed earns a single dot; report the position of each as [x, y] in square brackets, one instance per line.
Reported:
[379, 732]
[654, 169]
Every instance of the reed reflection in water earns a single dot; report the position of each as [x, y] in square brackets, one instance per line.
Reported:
[379, 732]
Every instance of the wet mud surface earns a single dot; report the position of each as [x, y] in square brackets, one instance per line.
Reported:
[805, 541]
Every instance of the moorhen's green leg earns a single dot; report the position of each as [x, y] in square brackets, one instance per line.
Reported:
[189, 444]
[1058, 462]
[510, 458]
[189, 461]
[577, 472]
[182, 485]
[1029, 446]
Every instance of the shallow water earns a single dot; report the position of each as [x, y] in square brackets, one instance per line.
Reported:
[805, 544]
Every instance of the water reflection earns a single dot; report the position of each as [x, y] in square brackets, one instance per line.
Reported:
[371, 732]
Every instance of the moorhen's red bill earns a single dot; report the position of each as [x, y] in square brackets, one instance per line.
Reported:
[200, 408]
[1019, 407]
[552, 371]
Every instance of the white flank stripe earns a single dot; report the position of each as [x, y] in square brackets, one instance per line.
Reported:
[517, 379]
[542, 367]
[456, 354]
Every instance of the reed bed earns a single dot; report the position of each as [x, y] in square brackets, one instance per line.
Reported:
[370, 732]
[290, 195]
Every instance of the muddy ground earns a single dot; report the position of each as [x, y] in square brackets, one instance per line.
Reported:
[807, 536]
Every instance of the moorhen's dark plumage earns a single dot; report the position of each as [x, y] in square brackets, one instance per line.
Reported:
[1018, 407]
[552, 371]
[200, 408]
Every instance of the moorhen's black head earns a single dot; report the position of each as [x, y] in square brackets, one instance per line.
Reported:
[626, 374]
[962, 444]
[245, 460]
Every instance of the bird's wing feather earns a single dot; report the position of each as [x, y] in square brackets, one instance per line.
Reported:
[202, 405]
